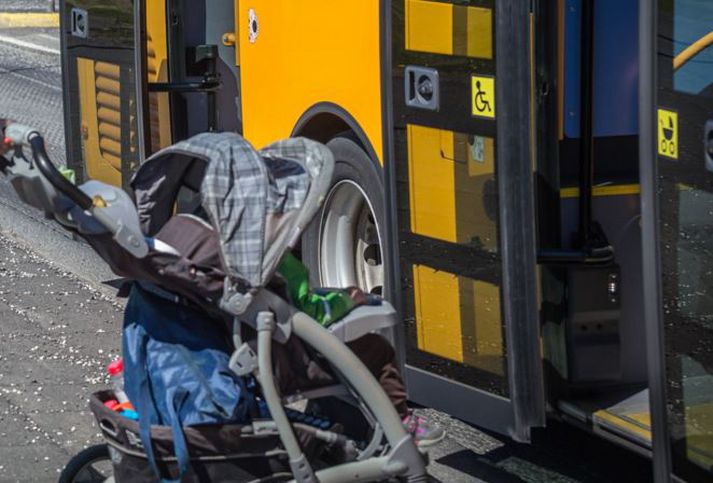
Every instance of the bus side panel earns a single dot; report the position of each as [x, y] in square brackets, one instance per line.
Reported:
[157, 66]
[299, 53]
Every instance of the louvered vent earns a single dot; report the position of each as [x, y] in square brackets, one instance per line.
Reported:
[109, 111]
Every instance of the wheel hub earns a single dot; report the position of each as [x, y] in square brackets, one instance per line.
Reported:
[350, 243]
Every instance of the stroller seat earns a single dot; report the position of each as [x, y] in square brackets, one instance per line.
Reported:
[188, 237]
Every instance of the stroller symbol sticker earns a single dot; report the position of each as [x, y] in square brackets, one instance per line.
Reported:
[483, 94]
[668, 133]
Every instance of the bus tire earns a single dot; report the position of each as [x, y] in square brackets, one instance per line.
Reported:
[343, 245]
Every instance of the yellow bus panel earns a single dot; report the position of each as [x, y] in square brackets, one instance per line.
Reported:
[444, 28]
[459, 319]
[157, 64]
[296, 54]
[452, 186]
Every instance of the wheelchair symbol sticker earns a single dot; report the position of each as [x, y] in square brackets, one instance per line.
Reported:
[668, 133]
[483, 96]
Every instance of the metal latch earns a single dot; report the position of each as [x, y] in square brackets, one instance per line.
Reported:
[80, 23]
[421, 88]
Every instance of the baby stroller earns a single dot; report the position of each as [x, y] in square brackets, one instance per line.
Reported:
[257, 204]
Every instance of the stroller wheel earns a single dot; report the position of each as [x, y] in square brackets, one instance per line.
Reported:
[91, 465]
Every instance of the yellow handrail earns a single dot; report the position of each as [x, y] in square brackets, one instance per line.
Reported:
[692, 50]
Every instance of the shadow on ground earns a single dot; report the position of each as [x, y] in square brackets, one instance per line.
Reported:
[560, 453]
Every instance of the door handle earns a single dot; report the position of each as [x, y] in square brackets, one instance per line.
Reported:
[421, 88]
[708, 145]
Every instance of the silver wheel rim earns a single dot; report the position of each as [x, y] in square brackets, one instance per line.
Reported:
[349, 240]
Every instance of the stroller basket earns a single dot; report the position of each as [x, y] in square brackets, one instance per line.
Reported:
[225, 452]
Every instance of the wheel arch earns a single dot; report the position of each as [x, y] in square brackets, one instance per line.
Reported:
[325, 121]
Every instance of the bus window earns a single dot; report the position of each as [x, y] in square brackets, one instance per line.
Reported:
[693, 47]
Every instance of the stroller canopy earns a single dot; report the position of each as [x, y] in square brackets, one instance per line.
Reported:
[258, 202]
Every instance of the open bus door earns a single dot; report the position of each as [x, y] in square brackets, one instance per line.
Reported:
[677, 200]
[134, 70]
[105, 134]
[459, 172]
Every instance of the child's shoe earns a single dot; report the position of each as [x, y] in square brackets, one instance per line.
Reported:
[424, 432]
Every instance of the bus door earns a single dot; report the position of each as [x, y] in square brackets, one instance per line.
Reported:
[461, 202]
[142, 74]
[103, 132]
[683, 118]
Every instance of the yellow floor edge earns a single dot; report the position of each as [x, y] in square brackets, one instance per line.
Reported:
[604, 190]
[634, 427]
[29, 19]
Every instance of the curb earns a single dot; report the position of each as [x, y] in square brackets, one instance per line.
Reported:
[29, 19]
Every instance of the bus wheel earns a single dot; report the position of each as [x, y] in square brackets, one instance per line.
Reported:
[343, 245]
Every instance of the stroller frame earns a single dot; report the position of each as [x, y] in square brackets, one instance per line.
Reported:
[275, 320]
[402, 460]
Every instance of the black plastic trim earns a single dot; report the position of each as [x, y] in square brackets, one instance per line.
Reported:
[203, 86]
[341, 113]
[650, 248]
[517, 230]
[393, 269]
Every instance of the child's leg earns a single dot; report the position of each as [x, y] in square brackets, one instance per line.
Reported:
[379, 357]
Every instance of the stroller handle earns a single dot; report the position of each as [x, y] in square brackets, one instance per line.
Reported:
[27, 136]
[56, 179]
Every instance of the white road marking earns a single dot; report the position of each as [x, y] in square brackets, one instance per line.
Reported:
[28, 45]
[36, 81]
[53, 38]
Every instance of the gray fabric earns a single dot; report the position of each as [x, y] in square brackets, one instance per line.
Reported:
[240, 190]
[234, 192]
[156, 184]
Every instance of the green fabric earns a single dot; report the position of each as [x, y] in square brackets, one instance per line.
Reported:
[69, 174]
[326, 307]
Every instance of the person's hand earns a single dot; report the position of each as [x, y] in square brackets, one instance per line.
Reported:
[357, 295]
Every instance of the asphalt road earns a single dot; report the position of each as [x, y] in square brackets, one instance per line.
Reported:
[59, 327]
[26, 5]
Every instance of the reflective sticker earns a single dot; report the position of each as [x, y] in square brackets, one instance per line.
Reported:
[477, 149]
[668, 133]
[483, 96]
[253, 26]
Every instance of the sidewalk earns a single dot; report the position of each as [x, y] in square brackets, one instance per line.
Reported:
[56, 338]
[27, 14]
[27, 5]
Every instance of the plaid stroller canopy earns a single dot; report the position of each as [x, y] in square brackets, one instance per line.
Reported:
[259, 202]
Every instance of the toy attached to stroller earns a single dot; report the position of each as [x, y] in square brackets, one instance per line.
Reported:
[257, 205]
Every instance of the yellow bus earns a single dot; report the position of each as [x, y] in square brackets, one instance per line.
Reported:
[528, 181]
